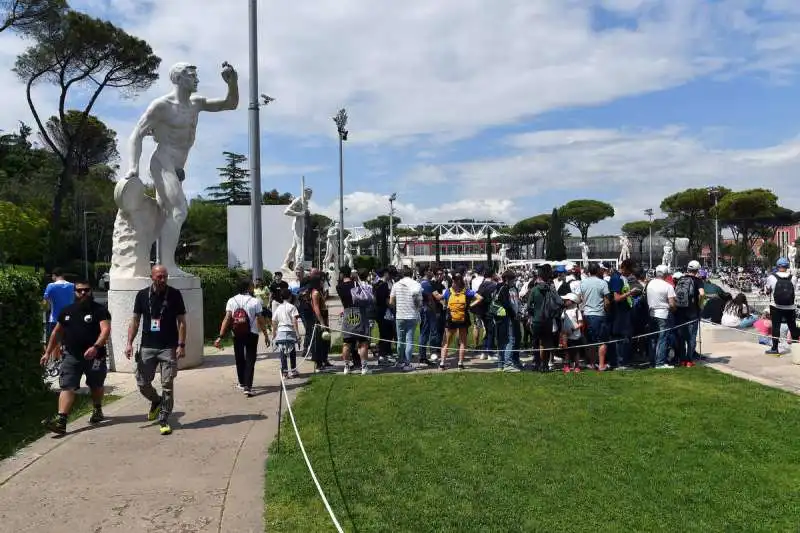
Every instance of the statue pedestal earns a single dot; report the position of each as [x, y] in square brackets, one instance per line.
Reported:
[121, 296]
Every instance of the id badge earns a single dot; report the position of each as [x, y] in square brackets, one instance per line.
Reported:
[155, 324]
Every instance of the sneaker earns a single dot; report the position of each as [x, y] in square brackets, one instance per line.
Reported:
[346, 370]
[442, 366]
[689, 364]
[772, 352]
[239, 387]
[97, 416]
[365, 370]
[292, 373]
[664, 367]
[484, 357]
[155, 409]
[247, 392]
[407, 367]
[565, 369]
[434, 358]
[511, 369]
[461, 365]
[624, 368]
[164, 428]
[494, 358]
[576, 369]
[55, 424]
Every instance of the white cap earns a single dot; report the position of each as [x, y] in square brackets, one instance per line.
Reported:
[677, 275]
[693, 265]
[662, 269]
[572, 297]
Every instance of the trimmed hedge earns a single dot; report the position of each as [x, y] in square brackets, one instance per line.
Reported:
[21, 379]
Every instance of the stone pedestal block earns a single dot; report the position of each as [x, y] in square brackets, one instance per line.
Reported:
[121, 296]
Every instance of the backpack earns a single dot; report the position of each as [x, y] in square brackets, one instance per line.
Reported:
[496, 309]
[487, 289]
[241, 322]
[783, 293]
[457, 306]
[362, 295]
[553, 304]
[684, 292]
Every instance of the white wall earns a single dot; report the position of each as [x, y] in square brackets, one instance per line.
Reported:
[276, 235]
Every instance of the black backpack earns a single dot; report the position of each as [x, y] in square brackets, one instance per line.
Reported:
[564, 289]
[553, 305]
[685, 293]
[783, 293]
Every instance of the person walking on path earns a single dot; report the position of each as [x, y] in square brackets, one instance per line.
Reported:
[83, 328]
[243, 315]
[285, 324]
[163, 343]
[782, 287]
[57, 295]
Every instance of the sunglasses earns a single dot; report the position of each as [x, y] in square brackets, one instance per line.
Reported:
[83, 291]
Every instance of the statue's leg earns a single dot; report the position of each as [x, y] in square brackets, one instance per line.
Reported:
[289, 256]
[298, 251]
[174, 206]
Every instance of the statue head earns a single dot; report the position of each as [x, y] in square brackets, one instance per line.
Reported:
[184, 76]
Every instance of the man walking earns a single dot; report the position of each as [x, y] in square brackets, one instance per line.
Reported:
[782, 287]
[689, 295]
[406, 298]
[57, 295]
[163, 343]
[83, 328]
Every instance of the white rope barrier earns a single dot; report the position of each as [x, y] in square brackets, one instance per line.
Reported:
[745, 332]
[522, 350]
[308, 461]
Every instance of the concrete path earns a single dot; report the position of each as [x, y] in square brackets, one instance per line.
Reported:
[123, 476]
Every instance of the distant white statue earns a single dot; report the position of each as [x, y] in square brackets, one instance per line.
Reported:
[348, 255]
[624, 248]
[792, 255]
[297, 210]
[331, 260]
[585, 254]
[666, 259]
[397, 259]
[141, 220]
[503, 258]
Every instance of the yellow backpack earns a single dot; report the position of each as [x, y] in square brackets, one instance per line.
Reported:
[457, 306]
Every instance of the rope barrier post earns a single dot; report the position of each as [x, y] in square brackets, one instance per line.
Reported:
[280, 412]
[700, 336]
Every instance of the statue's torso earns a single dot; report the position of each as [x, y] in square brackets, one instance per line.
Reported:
[177, 127]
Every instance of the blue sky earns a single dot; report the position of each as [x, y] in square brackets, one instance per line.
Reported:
[491, 109]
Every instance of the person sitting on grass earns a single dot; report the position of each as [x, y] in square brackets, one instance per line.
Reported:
[83, 327]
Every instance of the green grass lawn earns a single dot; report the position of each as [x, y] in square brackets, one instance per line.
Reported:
[27, 427]
[689, 450]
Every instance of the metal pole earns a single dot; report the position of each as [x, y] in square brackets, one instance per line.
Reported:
[256, 256]
[716, 236]
[391, 223]
[341, 199]
[85, 250]
[650, 242]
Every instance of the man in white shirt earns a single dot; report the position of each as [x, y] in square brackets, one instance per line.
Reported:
[240, 308]
[661, 301]
[285, 325]
[406, 298]
[782, 288]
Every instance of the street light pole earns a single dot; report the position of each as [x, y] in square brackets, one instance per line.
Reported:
[392, 199]
[341, 124]
[86, 246]
[256, 256]
[649, 213]
[714, 191]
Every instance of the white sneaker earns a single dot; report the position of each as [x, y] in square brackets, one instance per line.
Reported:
[484, 357]
[292, 373]
[494, 358]
[365, 370]
[346, 370]
[433, 358]
[664, 367]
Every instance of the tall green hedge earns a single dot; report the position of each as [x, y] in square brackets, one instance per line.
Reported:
[21, 326]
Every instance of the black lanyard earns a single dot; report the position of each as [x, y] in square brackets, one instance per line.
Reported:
[163, 304]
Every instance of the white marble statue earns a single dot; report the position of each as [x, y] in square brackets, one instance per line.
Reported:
[624, 248]
[503, 258]
[331, 260]
[297, 210]
[792, 255]
[397, 258]
[348, 255]
[585, 254]
[172, 122]
[666, 259]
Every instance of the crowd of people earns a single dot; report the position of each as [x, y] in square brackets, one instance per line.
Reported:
[560, 317]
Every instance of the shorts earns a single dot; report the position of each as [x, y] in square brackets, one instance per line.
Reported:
[597, 329]
[73, 368]
[456, 325]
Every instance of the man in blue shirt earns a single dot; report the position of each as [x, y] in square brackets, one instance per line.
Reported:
[57, 295]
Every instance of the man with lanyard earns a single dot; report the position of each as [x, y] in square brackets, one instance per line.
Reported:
[163, 343]
[83, 328]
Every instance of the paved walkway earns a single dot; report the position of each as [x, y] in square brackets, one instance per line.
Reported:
[123, 476]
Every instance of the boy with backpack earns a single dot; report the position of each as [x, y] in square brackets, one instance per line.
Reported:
[243, 316]
[782, 286]
[544, 309]
[689, 294]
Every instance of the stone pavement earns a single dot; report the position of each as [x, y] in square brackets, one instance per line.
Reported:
[123, 476]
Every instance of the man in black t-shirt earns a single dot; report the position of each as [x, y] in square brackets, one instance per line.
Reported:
[277, 286]
[688, 318]
[83, 328]
[162, 314]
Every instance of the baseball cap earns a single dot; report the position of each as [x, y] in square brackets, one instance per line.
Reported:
[677, 275]
[572, 297]
[662, 269]
[782, 262]
[693, 265]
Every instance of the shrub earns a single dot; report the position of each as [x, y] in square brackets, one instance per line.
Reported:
[21, 323]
